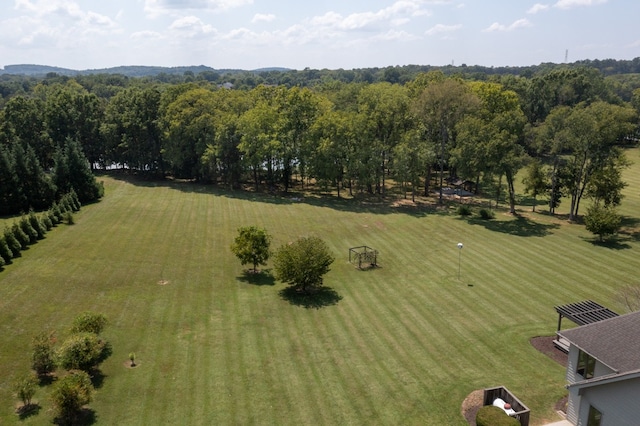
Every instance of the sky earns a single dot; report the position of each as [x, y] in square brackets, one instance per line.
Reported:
[332, 34]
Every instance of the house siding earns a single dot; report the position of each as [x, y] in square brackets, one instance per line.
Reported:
[618, 403]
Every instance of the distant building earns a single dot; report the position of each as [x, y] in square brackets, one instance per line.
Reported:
[603, 372]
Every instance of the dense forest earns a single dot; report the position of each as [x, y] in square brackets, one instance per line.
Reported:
[349, 131]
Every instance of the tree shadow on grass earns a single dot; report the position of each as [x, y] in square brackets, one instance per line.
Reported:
[611, 243]
[86, 416]
[519, 226]
[29, 410]
[317, 298]
[258, 278]
[97, 378]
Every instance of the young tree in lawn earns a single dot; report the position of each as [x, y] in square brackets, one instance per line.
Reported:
[69, 394]
[25, 388]
[602, 221]
[89, 322]
[302, 263]
[252, 246]
[43, 356]
[82, 351]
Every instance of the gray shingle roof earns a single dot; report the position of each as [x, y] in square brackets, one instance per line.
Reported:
[614, 341]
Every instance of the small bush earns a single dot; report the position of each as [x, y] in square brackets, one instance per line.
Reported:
[68, 218]
[57, 212]
[29, 230]
[2, 263]
[12, 242]
[46, 222]
[69, 395]
[25, 388]
[20, 235]
[494, 416]
[75, 201]
[82, 351]
[5, 251]
[464, 210]
[37, 224]
[486, 214]
[89, 322]
[43, 356]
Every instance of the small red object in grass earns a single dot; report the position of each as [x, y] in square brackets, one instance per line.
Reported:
[507, 406]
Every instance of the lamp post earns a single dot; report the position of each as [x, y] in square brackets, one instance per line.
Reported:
[459, 255]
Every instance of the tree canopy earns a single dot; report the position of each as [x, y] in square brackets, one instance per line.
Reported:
[303, 263]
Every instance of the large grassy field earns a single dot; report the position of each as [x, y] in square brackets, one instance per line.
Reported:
[402, 344]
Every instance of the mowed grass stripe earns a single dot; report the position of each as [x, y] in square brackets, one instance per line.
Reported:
[407, 342]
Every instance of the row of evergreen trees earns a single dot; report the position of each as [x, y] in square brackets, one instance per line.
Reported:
[26, 185]
[33, 227]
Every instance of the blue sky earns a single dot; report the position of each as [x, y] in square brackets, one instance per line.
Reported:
[250, 34]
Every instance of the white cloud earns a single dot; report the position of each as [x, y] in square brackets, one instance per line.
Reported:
[191, 26]
[159, 7]
[538, 7]
[569, 4]
[440, 28]
[261, 17]
[520, 23]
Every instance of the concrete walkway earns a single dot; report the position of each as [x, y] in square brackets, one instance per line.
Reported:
[560, 423]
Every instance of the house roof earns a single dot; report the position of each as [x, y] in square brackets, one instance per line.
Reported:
[614, 341]
[586, 312]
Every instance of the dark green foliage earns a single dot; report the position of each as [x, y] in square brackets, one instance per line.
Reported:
[486, 214]
[51, 214]
[65, 205]
[37, 224]
[89, 322]
[69, 394]
[5, 252]
[82, 351]
[8, 183]
[74, 200]
[68, 218]
[2, 262]
[46, 221]
[43, 355]
[252, 246]
[26, 227]
[25, 388]
[72, 171]
[57, 213]
[12, 242]
[20, 235]
[302, 263]
[464, 210]
[602, 221]
[494, 416]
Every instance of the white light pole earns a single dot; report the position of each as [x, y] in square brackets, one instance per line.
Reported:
[459, 254]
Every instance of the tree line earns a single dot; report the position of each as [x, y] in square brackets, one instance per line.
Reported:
[347, 137]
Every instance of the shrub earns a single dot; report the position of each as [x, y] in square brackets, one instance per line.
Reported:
[12, 242]
[494, 416]
[75, 201]
[57, 212]
[82, 351]
[486, 214]
[20, 235]
[26, 227]
[464, 210]
[89, 322]
[25, 387]
[65, 205]
[69, 395]
[2, 262]
[46, 221]
[43, 357]
[5, 252]
[68, 218]
[37, 224]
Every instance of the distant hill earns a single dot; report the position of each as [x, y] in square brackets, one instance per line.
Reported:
[129, 71]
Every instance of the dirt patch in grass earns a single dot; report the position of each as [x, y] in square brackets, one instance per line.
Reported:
[163, 282]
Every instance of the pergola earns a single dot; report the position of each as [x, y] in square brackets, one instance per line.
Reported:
[581, 313]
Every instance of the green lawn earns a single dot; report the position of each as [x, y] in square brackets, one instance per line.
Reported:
[405, 344]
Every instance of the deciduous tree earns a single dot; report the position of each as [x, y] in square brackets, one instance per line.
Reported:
[303, 263]
[252, 245]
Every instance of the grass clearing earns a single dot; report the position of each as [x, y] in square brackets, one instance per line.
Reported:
[405, 344]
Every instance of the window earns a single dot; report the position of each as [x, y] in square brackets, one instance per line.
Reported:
[586, 365]
[595, 416]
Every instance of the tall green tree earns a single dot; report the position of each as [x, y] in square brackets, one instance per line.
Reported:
[70, 394]
[252, 246]
[72, 171]
[535, 181]
[303, 263]
[439, 107]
